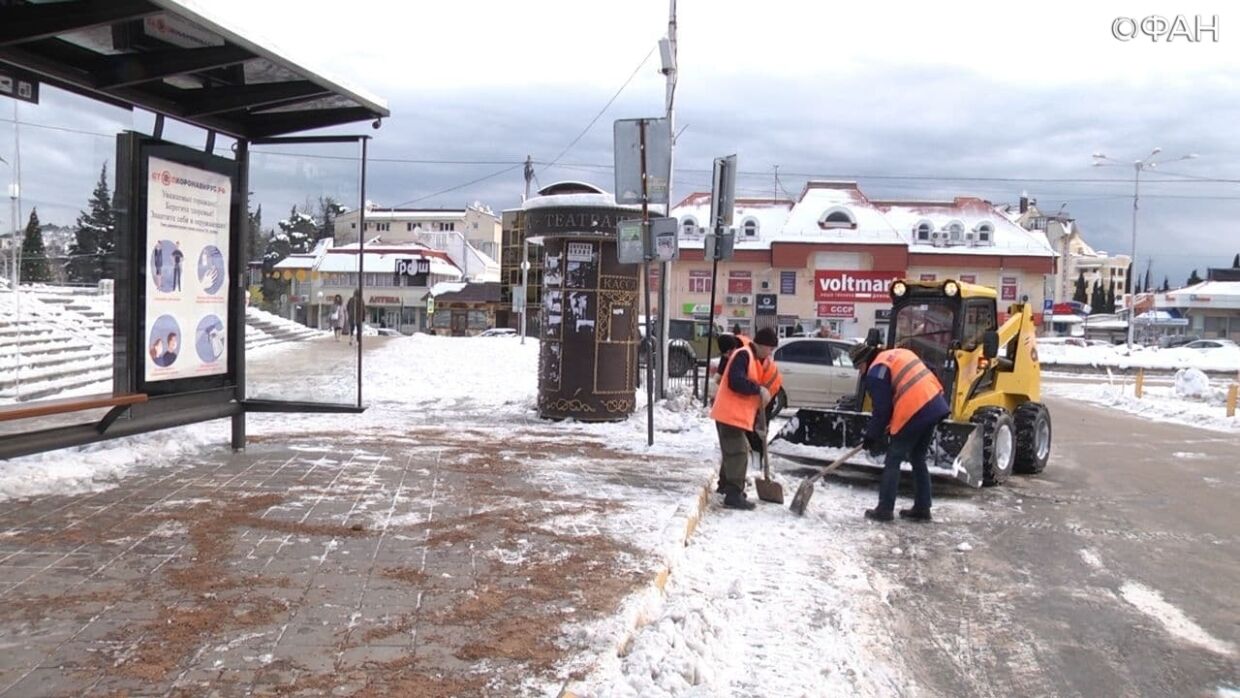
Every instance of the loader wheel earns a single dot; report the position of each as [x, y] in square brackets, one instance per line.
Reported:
[1033, 438]
[998, 444]
[847, 403]
[678, 363]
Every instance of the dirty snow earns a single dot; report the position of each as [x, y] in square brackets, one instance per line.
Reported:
[1090, 558]
[1173, 620]
[1190, 382]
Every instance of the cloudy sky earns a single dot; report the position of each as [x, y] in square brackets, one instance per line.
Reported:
[987, 99]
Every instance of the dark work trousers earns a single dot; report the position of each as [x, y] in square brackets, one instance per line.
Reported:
[734, 443]
[912, 446]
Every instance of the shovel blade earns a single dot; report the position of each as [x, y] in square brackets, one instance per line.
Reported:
[801, 499]
[769, 490]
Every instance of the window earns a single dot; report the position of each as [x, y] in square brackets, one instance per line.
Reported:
[409, 226]
[448, 226]
[923, 230]
[353, 226]
[955, 231]
[927, 330]
[979, 317]
[689, 226]
[750, 226]
[837, 218]
[805, 352]
[788, 283]
[699, 283]
[383, 227]
[985, 232]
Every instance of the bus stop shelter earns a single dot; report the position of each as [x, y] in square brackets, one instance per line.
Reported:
[171, 59]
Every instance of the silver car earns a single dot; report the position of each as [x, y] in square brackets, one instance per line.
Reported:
[817, 372]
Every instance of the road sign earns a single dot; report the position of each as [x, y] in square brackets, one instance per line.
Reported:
[1047, 304]
[630, 243]
[723, 193]
[665, 234]
[628, 160]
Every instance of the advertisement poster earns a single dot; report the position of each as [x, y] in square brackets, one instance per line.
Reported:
[187, 232]
[740, 282]
[1008, 288]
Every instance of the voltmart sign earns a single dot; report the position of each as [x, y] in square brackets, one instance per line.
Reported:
[852, 285]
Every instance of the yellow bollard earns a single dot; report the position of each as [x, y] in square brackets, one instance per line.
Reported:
[1140, 381]
[1232, 390]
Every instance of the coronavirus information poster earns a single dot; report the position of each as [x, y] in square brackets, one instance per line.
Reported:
[187, 233]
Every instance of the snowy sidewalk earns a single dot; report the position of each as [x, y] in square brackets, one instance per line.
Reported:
[447, 542]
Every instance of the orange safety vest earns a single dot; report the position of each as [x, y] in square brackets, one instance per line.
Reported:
[731, 407]
[913, 385]
[769, 373]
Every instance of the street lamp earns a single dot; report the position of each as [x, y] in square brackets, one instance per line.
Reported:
[1148, 162]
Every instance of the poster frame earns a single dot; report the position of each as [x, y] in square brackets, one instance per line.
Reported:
[134, 153]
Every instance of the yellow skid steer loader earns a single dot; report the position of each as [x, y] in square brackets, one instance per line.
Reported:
[989, 373]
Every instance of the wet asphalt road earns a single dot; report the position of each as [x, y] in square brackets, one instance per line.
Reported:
[1114, 573]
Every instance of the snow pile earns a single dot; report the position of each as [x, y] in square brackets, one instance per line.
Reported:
[1160, 404]
[1190, 382]
[1118, 356]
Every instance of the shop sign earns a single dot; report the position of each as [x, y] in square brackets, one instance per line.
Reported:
[699, 309]
[767, 303]
[852, 285]
[740, 282]
[788, 283]
[969, 278]
[929, 277]
[1007, 288]
[882, 315]
[836, 310]
[383, 300]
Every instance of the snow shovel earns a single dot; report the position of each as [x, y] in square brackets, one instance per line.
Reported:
[806, 490]
[768, 489]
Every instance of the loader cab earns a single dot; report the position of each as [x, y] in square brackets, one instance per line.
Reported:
[935, 319]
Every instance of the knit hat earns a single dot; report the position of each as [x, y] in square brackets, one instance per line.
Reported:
[766, 337]
[862, 354]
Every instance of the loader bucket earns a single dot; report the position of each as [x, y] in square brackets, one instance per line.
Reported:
[816, 437]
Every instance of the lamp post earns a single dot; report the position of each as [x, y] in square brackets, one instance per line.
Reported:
[1138, 166]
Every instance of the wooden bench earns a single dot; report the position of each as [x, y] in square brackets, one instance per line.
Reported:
[117, 403]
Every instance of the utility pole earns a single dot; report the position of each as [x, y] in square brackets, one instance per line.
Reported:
[525, 251]
[775, 192]
[665, 268]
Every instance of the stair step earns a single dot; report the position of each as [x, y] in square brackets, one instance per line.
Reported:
[45, 389]
[8, 380]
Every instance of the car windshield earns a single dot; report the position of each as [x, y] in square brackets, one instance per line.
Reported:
[928, 330]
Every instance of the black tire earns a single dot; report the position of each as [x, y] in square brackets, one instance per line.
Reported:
[1033, 438]
[679, 362]
[998, 433]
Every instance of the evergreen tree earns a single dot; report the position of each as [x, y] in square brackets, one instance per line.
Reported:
[1235, 261]
[256, 241]
[1128, 280]
[34, 254]
[1166, 285]
[329, 208]
[1079, 294]
[90, 254]
[1148, 286]
[1110, 299]
[1193, 279]
[1098, 299]
[299, 232]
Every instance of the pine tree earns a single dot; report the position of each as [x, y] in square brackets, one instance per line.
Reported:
[298, 231]
[34, 254]
[1098, 299]
[329, 208]
[1079, 294]
[1193, 279]
[1110, 299]
[1166, 285]
[1128, 280]
[1148, 286]
[256, 241]
[90, 254]
[1235, 262]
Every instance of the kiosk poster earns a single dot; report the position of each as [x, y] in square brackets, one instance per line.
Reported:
[187, 232]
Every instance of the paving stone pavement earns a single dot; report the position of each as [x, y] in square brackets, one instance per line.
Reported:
[366, 563]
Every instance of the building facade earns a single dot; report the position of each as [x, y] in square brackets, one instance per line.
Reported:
[1076, 256]
[828, 258]
[443, 229]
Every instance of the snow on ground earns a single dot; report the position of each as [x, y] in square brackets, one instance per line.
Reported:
[1173, 620]
[1158, 403]
[1117, 356]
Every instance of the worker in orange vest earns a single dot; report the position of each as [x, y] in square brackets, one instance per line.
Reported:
[908, 403]
[742, 395]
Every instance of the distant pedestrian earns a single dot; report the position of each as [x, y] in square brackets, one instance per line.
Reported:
[742, 397]
[339, 317]
[356, 311]
[825, 332]
[908, 404]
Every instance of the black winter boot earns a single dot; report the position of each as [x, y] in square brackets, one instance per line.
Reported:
[735, 499]
[918, 515]
[878, 515]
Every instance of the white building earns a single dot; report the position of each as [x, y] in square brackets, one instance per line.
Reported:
[441, 228]
[1076, 256]
[330, 270]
